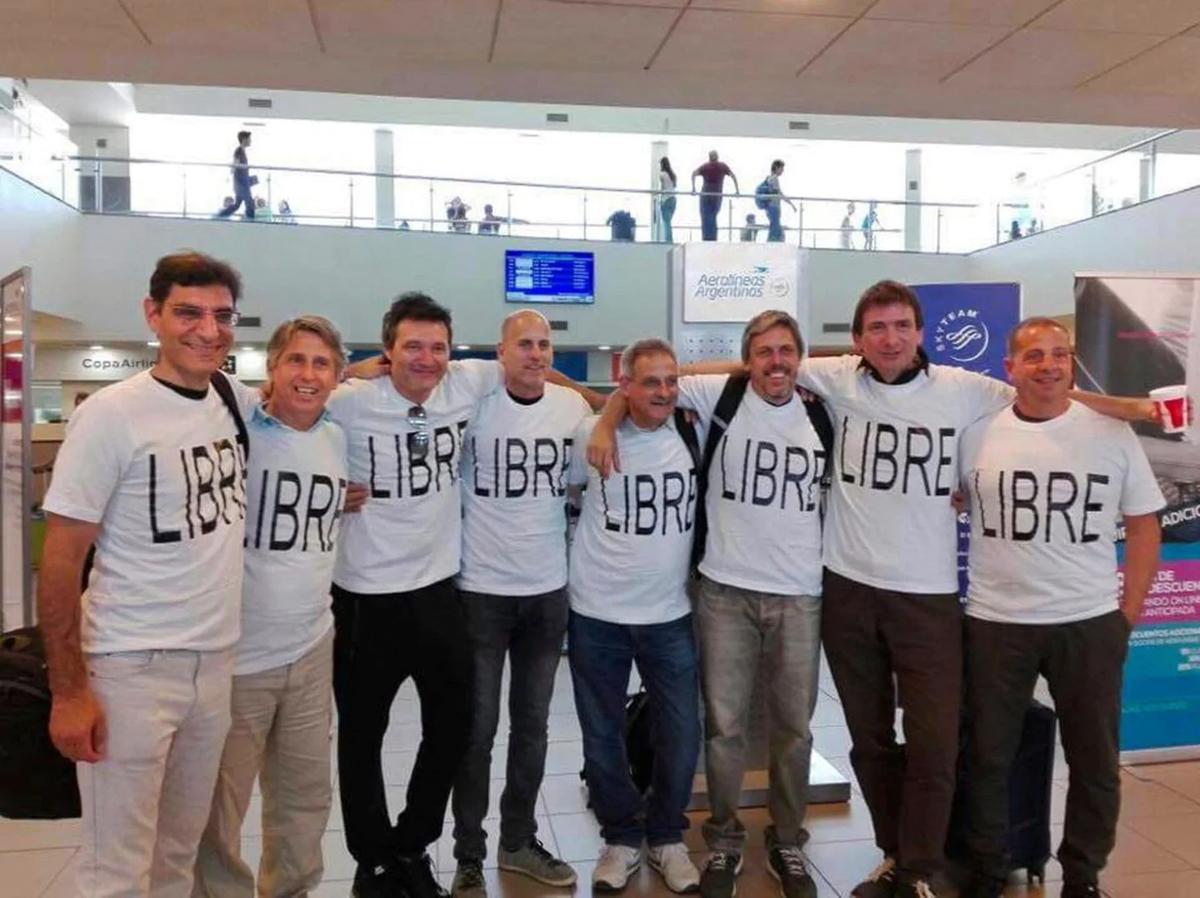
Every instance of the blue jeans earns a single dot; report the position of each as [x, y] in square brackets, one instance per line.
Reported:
[602, 655]
[710, 206]
[241, 195]
[774, 228]
[666, 211]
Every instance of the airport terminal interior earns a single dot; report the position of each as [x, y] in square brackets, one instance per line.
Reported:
[1006, 159]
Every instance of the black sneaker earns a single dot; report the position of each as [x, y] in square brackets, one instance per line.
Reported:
[786, 864]
[918, 888]
[880, 882]
[375, 883]
[983, 886]
[468, 880]
[1080, 890]
[413, 873]
[719, 878]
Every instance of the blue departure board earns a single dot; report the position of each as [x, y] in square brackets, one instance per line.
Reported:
[534, 276]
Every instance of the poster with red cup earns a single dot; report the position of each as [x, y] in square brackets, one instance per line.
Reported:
[1139, 335]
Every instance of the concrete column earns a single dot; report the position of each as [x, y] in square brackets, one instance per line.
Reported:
[912, 193]
[1146, 169]
[385, 187]
[658, 149]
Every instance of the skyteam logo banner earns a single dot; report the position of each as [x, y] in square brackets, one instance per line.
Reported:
[966, 324]
[733, 282]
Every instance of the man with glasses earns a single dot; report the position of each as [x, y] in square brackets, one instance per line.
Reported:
[396, 612]
[152, 475]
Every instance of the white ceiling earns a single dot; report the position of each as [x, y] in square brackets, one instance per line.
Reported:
[1120, 62]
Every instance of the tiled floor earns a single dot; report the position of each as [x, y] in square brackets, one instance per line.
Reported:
[1157, 853]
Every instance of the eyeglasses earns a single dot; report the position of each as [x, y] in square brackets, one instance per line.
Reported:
[193, 315]
[418, 437]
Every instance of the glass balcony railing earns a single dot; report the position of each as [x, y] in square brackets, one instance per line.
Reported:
[1162, 164]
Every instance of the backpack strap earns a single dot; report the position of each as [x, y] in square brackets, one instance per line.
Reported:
[220, 383]
[727, 406]
[818, 417]
[687, 433]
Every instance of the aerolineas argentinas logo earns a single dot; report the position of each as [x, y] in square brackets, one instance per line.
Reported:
[961, 335]
[757, 283]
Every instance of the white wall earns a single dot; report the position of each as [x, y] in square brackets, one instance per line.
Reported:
[39, 231]
[1158, 236]
[351, 275]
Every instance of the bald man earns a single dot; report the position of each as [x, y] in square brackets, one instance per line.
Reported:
[512, 582]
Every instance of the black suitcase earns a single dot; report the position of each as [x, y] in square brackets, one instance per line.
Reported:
[1029, 790]
[36, 782]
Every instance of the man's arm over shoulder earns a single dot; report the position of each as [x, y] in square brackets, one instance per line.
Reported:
[482, 376]
[824, 375]
[577, 472]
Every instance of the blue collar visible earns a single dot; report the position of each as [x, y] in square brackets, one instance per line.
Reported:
[261, 416]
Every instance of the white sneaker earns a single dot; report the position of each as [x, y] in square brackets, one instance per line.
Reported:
[617, 863]
[677, 869]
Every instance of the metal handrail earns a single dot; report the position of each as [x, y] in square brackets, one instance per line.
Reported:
[1136, 145]
[655, 192]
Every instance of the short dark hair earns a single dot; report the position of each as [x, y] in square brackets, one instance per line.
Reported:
[886, 293]
[193, 269]
[242, 135]
[1029, 324]
[778, 163]
[416, 306]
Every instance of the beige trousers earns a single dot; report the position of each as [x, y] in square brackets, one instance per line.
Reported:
[280, 734]
[145, 804]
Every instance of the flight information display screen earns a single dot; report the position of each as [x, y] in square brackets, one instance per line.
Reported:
[535, 276]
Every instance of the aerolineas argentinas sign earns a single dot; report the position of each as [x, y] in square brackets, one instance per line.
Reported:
[733, 282]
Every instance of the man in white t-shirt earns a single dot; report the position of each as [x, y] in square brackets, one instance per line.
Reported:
[627, 586]
[152, 474]
[759, 606]
[1047, 481]
[396, 611]
[282, 701]
[513, 585]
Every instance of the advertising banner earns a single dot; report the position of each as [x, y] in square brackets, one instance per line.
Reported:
[733, 282]
[966, 326]
[1134, 334]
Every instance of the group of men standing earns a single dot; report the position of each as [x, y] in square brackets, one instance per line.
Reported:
[199, 651]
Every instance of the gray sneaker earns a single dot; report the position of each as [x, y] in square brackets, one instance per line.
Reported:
[468, 881]
[534, 861]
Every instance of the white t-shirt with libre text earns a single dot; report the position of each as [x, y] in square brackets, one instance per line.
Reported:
[764, 493]
[633, 542]
[895, 463]
[514, 469]
[164, 476]
[408, 534]
[295, 491]
[1045, 499]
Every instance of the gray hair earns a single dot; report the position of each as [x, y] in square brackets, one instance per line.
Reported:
[765, 321]
[320, 327]
[648, 346]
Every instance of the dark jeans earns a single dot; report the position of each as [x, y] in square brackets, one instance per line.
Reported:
[710, 207]
[1082, 662]
[774, 228]
[380, 641]
[877, 642]
[529, 630]
[601, 656]
[241, 195]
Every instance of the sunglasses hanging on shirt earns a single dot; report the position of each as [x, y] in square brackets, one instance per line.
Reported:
[418, 437]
